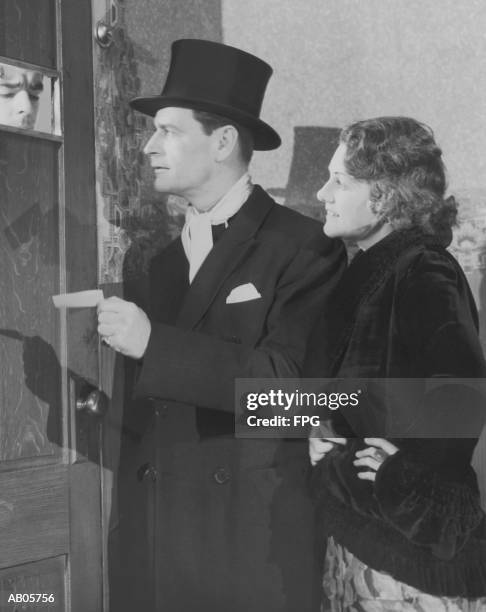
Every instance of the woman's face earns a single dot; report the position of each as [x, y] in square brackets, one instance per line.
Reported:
[348, 209]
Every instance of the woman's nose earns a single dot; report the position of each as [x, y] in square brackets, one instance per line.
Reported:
[324, 194]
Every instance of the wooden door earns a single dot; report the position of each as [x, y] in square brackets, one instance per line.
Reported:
[50, 503]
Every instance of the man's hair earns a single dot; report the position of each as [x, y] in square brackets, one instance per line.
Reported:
[211, 122]
[399, 157]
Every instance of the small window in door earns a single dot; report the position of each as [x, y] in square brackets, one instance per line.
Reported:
[29, 98]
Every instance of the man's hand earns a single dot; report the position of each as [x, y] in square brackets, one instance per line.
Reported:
[123, 326]
[319, 446]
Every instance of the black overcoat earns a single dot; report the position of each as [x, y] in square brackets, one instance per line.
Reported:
[232, 523]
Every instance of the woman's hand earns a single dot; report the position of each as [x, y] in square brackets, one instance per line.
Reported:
[373, 456]
[319, 447]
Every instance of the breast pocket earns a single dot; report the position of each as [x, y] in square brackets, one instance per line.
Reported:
[245, 321]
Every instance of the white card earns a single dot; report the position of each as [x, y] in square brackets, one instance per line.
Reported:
[80, 299]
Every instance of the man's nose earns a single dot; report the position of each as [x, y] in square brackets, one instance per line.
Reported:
[153, 145]
[325, 193]
[22, 103]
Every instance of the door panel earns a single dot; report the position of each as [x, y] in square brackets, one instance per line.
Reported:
[28, 31]
[34, 514]
[41, 577]
[50, 484]
[29, 336]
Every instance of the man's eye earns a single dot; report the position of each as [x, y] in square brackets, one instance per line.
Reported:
[34, 97]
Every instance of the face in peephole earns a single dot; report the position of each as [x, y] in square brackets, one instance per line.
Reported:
[20, 90]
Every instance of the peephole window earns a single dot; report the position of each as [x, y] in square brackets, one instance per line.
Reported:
[28, 99]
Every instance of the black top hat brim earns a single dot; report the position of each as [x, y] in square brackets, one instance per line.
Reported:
[265, 137]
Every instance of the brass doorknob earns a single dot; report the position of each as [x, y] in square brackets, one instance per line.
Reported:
[103, 34]
[95, 403]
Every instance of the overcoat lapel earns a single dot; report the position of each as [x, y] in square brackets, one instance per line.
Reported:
[225, 256]
[170, 283]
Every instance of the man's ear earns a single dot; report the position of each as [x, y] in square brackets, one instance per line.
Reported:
[226, 138]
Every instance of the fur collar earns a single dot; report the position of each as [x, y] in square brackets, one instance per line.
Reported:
[368, 271]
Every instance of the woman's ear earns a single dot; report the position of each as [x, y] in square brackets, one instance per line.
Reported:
[379, 207]
[378, 203]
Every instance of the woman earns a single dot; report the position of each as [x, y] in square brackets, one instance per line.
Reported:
[402, 518]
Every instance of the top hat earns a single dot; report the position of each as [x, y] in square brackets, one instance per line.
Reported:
[216, 78]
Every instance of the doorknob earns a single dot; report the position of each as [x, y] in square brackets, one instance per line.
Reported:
[103, 34]
[94, 403]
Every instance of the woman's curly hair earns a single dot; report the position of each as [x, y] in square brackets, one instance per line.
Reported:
[399, 157]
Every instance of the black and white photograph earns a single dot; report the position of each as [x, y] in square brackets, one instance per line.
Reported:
[243, 305]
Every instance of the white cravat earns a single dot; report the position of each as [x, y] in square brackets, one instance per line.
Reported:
[197, 236]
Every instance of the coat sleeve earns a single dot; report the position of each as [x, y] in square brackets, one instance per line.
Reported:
[437, 319]
[429, 507]
[428, 489]
[199, 369]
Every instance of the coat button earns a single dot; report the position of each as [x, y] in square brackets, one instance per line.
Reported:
[161, 411]
[221, 475]
[146, 471]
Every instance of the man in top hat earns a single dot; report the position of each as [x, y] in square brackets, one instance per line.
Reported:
[234, 297]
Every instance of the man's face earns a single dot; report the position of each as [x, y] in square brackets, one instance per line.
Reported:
[19, 96]
[180, 153]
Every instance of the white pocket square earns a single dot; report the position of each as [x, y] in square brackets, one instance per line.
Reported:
[243, 293]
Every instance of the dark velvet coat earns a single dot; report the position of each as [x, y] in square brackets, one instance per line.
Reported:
[232, 521]
[404, 310]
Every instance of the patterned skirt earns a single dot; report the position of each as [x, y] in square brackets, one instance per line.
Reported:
[351, 586]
